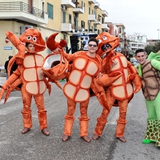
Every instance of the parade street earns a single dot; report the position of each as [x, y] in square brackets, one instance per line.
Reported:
[36, 146]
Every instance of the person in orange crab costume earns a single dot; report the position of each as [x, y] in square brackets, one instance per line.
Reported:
[122, 90]
[28, 74]
[81, 74]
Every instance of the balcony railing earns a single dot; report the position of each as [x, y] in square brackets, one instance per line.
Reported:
[20, 7]
[78, 9]
[68, 3]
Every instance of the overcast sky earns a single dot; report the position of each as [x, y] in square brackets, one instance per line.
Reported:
[138, 16]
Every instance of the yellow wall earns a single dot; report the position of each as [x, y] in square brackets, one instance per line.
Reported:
[4, 27]
[54, 23]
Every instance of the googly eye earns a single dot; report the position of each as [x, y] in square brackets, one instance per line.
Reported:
[29, 38]
[99, 41]
[104, 38]
[34, 39]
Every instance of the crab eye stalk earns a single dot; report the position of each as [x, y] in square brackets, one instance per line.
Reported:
[104, 38]
[29, 38]
[34, 39]
[99, 41]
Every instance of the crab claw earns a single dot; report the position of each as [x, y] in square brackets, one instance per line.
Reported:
[17, 43]
[108, 79]
[11, 88]
[7, 94]
[58, 84]
[52, 44]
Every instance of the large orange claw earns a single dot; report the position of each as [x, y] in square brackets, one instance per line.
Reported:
[7, 94]
[114, 74]
[17, 43]
[137, 83]
[108, 79]
[52, 44]
[58, 84]
[131, 76]
[11, 88]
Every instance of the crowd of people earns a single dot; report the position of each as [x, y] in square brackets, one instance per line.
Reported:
[100, 69]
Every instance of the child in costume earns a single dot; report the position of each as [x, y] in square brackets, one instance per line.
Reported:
[121, 90]
[29, 75]
[148, 70]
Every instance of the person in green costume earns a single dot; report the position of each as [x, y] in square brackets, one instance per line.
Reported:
[149, 71]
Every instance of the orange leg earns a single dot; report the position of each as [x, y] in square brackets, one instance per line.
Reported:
[83, 120]
[69, 117]
[26, 112]
[102, 120]
[121, 122]
[42, 113]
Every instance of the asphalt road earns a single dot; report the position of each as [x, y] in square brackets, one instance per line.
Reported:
[35, 146]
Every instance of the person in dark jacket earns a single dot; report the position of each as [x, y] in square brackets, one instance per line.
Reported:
[14, 67]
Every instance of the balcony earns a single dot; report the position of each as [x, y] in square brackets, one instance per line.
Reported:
[96, 5]
[104, 13]
[68, 3]
[66, 27]
[104, 26]
[91, 1]
[91, 17]
[97, 21]
[22, 11]
[78, 9]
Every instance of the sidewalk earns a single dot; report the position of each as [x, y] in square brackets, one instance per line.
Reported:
[2, 80]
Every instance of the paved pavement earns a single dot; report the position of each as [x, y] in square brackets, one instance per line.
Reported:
[34, 145]
[2, 80]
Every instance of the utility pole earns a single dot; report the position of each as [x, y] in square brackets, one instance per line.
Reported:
[158, 34]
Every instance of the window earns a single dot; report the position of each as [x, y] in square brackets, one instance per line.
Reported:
[82, 24]
[64, 17]
[50, 10]
[70, 18]
[95, 13]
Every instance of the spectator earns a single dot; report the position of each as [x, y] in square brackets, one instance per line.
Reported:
[6, 66]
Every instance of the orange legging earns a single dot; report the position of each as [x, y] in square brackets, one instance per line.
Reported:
[83, 119]
[121, 122]
[26, 112]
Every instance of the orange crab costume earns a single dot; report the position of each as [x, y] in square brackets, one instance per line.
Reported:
[81, 75]
[121, 90]
[29, 75]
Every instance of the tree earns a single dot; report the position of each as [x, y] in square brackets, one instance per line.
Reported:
[152, 48]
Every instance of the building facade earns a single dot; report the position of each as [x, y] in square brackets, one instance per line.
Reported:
[137, 41]
[67, 17]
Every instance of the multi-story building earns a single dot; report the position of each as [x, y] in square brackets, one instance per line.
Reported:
[118, 30]
[137, 41]
[113, 29]
[67, 17]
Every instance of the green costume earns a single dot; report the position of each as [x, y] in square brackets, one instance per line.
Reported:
[150, 75]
